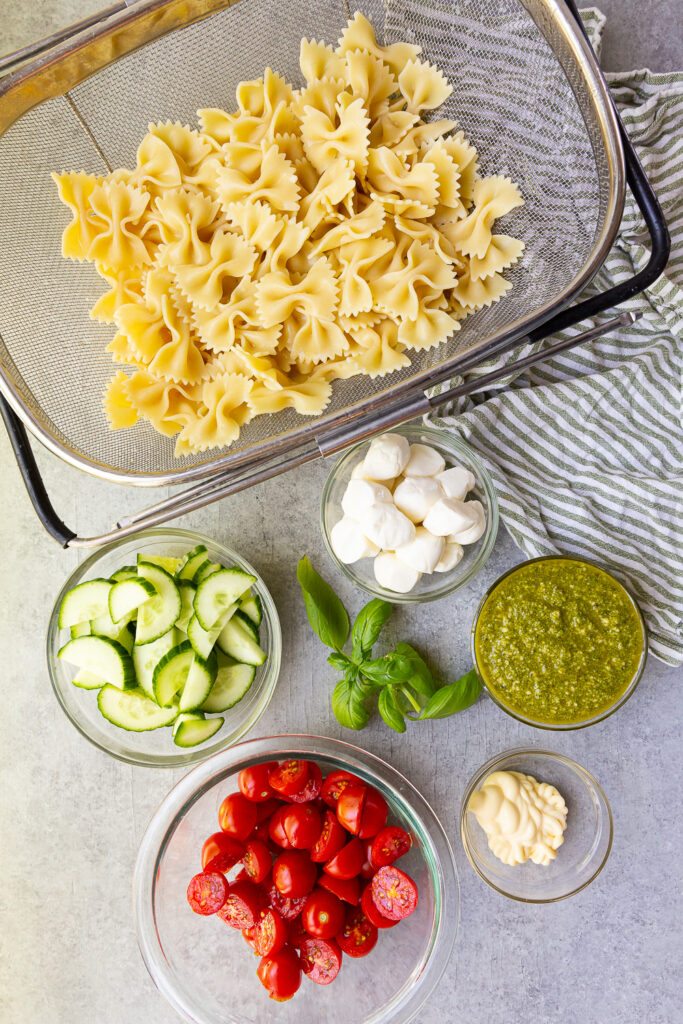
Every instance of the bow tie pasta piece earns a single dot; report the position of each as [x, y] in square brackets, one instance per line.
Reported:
[389, 128]
[156, 168]
[74, 190]
[125, 286]
[220, 328]
[322, 95]
[353, 229]
[333, 187]
[317, 60]
[431, 327]
[377, 350]
[344, 137]
[465, 158]
[360, 35]
[399, 293]
[477, 294]
[259, 226]
[314, 340]
[493, 198]
[423, 86]
[274, 182]
[262, 96]
[189, 147]
[421, 135]
[183, 218]
[428, 234]
[410, 191]
[308, 398]
[222, 410]
[118, 409]
[286, 247]
[217, 124]
[291, 146]
[501, 254]
[226, 260]
[118, 210]
[370, 78]
[450, 206]
[278, 297]
[357, 258]
[167, 406]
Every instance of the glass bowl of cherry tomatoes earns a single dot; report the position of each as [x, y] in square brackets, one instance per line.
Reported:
[297, 869]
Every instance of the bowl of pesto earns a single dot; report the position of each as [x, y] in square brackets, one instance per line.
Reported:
[559, 642]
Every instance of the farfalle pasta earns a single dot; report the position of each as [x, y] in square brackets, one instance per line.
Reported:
[314, 234]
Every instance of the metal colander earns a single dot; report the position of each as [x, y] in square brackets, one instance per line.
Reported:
[527, 93]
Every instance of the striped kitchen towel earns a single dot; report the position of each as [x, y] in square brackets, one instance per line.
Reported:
[586, 450]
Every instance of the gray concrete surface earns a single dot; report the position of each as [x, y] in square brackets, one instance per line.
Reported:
[71, 818]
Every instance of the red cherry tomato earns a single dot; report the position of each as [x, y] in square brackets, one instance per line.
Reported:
[334, 784]
[221, 852]
[358, 936]
[294, 874]
[296, 932]
[302, 825]
[257, 861]
[347, 889]
[330, 841]
[207, 892]
[237, 816]
[253, 782]
[394, 893]
[374, 815]
[350, 806]
[276, 828]
[265, 810]
[323, 914]
[389, 844]
[243, 905]
[369, 866]
[367, 905]
[320, 959]
[248, 936]
[280, 974]
[311, 789]
[289, 777]
[348, 862]
[269, 933]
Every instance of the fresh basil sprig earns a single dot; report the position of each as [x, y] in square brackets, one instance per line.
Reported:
[400, 681]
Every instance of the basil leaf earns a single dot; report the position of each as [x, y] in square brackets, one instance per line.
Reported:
[339, 661]
[392, 668]
[453, 697]
[326, 614]
[389, 711]
[422, 679]
[368, 626]
[347, 705]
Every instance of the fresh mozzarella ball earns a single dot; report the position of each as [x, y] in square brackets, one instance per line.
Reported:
[452, 553]
[423, 552]
[358, 471]
[448, 515]
[456, 482]
[393, 574]
[470, 534]
[360, 495]
[386, 457]
[349, 542]
[387, 527]
[424, 461]
[415, 496]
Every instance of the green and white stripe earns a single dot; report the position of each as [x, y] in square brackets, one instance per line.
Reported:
[586, 450]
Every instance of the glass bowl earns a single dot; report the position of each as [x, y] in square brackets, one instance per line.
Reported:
[587, 838]
[438, 584]
[562, 726]
[155, 749]
[208, 973]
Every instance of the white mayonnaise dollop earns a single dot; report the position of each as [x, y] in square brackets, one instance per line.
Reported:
[523, 818]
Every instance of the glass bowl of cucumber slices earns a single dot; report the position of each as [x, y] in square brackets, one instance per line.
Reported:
[164, 648]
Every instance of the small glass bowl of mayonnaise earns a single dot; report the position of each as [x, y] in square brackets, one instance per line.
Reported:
[577, 858]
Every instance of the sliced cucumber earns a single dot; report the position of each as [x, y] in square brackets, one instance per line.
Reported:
[147, 657]
[171, 565]
[87, 680]
[104, 657]
[127, 595]
[171, 673]
[160, 613]
[236, 641]
[187, 592]
[251, 628]
[232, 683]
[133, 710]
[84, 602]
[193, 730]
[251, 605]
[80, 629]
[189, 716]
[194, 561]
[203, 640]
[104, 626]
[126, 572]
[208, 569]
[199, 681]
[217, 592]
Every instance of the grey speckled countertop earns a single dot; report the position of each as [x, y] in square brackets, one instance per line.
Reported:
[607, 956]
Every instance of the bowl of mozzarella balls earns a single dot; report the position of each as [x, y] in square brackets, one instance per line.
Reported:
[410, 516]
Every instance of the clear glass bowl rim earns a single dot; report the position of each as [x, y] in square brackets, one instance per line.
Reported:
[204, 776]
[456, 446]
[494, 764]
[175, 759]
[563, 727]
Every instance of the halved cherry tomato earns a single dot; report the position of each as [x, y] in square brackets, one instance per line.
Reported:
[265, 810]
[276, 829]
[289, 777]
[334, 784]
[257, 861]
[288, 909]
[207, 892]
[302, 825]
[243, 905]
[296, 932]
[389, 844]
[330, 841]
[269, 933]
[237, 816]
[358, 936]
[253, 782]
[221, 852]
[248, 936]
[323, 914]
[374, 815]
[367, 905]
[311, 789]
[320, 959]
[394, 893]
[280, 974]
[350, 806]
[369, 867]
[347, 889]
[348, 862]
[294, 873]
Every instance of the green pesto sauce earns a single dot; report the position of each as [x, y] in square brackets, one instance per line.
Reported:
[558, 641]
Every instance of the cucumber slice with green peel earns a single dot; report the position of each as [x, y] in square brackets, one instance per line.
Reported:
[246, 622]
[232, 683]
[234, 640]
[127, 595]
[187, 592]
[133, 710]
[188, 716]
[87, 680]
[104, 626]
[84, 602]
[147, 657]
[126, 572]
[157, 615]
[193, 731]
[80, 629]
[167, 562]
[217, 592]
[199, 681]
[171, 673]
[194, 560]
[207, 570]
[251, 605]
[104, 657]
[204, 640]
